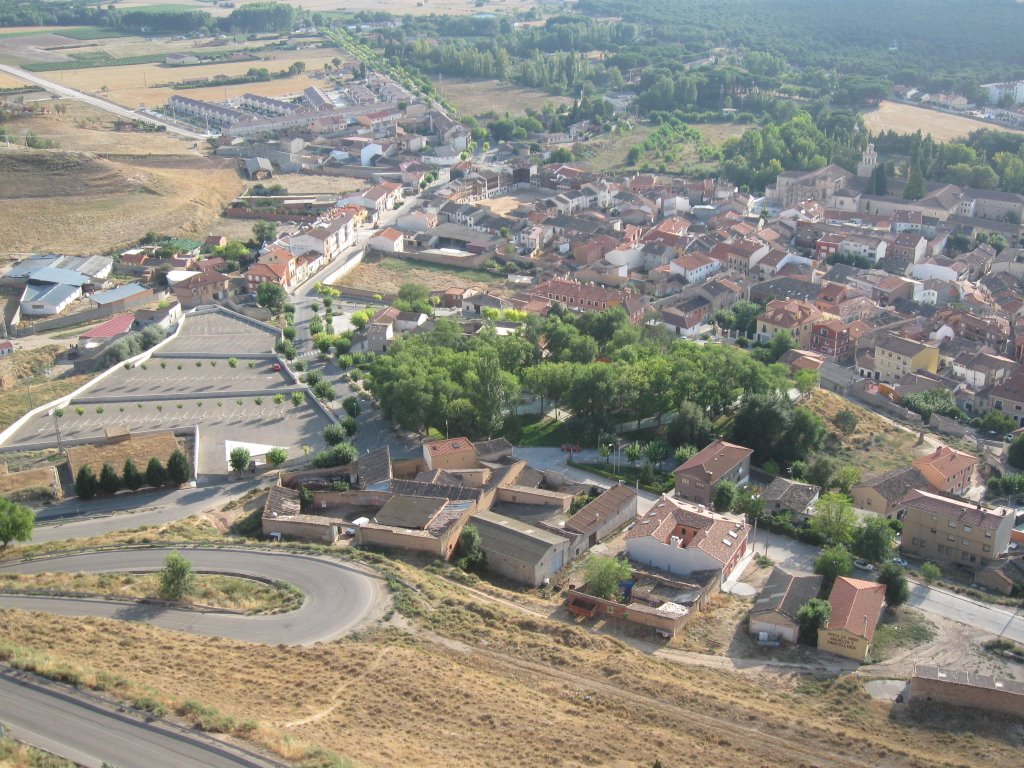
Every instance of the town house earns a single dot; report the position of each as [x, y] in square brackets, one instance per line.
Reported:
[953, 531]
[682, 539]
[698, 477]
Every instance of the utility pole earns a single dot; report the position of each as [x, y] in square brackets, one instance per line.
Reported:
[56, 425]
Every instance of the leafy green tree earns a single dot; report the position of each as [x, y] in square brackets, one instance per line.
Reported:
[846, 421]
[179, 469]
[684, 453]
[271, 296]
[1015, 453]
[655, 452]
[177, 579]
[938, 400]
[264, 232]
[109, 482]
[633, 452]
[998, 422]
[86, 484]
[845, 478]
[16, 522]
[748, 504]
[915, 188]
[930, 572]
[874, 540]
[833, 562]
[352, 406]
[131, 476]
[690, 426]
[469, 553]
[725, 495]
[820, 471]
[156, 475]
[277, 456]
[834, 518]
[812, 616]
[239, 459]
[605, 574]
[897, 589]
[806, 380]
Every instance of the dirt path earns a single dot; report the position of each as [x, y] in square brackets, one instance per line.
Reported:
[721, 663]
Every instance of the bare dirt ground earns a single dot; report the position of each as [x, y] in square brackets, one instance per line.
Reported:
[906, 118]
[475, 97]
[75, 200]
[389, 274]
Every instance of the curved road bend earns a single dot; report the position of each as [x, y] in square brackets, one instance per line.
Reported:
[339, 597]
[92, 731]
[95, 101]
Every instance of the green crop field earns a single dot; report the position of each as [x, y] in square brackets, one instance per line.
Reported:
[90, 33]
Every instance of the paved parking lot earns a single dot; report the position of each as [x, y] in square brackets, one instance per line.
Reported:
[219, 334]
[267, 423]
[173, 376]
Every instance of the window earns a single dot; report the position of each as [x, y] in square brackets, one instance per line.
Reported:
[964, 555]
[950, 537]
[952, 523]
[967, 529]
[988, 534]
[986, 548]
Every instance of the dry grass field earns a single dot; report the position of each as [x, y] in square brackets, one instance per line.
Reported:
[389, 274]
[104, 189]
[461, 680]
[876, 445]
[140, 449]
[906, 118]
[475, 97]
[212, 591]
[82, 204]
[132, 86]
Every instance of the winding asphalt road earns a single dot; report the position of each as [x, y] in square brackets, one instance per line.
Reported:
[338, 595]
[93, 732]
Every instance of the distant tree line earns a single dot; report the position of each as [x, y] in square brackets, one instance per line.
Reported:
[250, 17]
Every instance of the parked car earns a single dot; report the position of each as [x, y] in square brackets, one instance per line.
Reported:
[863, 565]
[277, 367]
[900, 561]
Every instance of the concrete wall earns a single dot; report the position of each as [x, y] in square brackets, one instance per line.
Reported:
[518, 494]
[776, 625]
[664, 557]
[307, 530]
[944, 692]
[391, 538]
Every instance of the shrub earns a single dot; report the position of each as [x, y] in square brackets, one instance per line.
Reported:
[86, 484]
[324, 391]
[278, 399]
[233, 362]
[930, 572]
[298, 398]
[110, 483]
[156, 475]
[131, 476]
[352, 406]
[350, 425]
[80, 411]
[177, 579]
[335, 434]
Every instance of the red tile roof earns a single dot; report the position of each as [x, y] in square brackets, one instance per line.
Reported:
[714, 461]
[115, 326]
[856, 606]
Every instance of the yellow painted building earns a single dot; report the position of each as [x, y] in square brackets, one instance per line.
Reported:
[896, 356]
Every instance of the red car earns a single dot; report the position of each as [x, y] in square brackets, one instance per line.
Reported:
[277, 367]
